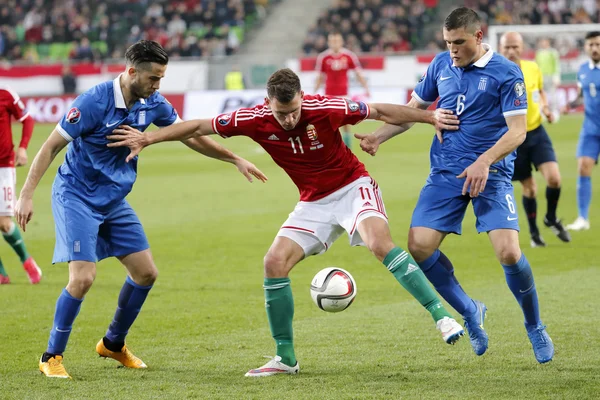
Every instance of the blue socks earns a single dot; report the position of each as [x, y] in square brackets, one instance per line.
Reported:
[584, 195]
[67, 308]
[520, 281]
[131, 298]
[440, 272]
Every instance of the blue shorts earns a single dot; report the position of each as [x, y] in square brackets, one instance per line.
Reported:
[441, 205]
[536, 149]
[588, 146]
[85, 234]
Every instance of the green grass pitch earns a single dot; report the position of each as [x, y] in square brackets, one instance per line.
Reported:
[204, 323]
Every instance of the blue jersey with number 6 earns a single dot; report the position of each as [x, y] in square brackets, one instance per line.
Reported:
[482, 95]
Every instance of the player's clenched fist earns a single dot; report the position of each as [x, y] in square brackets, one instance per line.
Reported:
[369, 143]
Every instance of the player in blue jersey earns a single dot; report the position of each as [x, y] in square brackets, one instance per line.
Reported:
[93, 219]
[474, 164]
[588, 149]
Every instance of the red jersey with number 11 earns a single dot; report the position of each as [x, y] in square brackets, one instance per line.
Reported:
[313, 153]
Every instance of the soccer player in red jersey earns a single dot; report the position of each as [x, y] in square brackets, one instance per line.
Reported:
[333, 64]
[301, 133]
[11, 107]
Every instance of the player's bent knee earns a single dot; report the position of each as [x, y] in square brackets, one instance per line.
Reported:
[146, 277]
[380, 248]
[585, 166]
[554, 181]
[5, 224]
[419, 248]
[529, 188]
[509, 255]
[275, 265]
[80, 284]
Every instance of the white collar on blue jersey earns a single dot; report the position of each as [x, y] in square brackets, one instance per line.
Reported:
[592, 65]
[485, 59]
[119, 99]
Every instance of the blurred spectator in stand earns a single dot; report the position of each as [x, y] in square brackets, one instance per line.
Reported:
[548, 60]
[82, 51]
[69, 81]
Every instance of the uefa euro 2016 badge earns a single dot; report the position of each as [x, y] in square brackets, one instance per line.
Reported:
[311, 131]
[142, 118]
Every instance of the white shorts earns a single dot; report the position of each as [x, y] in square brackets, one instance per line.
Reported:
[8, 197]
[317, 224]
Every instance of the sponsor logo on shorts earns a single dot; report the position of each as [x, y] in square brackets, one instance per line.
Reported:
[76, 246]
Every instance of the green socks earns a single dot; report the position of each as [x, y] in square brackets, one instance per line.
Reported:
[280, 311]
[406, 271]
[2, 270]
[15, 240]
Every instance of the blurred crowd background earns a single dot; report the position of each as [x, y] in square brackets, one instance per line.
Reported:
[59, 30]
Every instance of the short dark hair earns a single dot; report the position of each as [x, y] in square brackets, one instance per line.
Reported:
[591, 35]
[283, 85]
[144, 52]
[462, 17]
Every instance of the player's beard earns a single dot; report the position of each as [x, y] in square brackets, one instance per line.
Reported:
[138, 91]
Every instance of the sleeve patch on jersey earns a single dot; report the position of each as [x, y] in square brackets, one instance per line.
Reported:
[224, 119]
[352, 106]
[73, 116]
[423, 77]
[363, 108]
[517, 102]
[520, 89]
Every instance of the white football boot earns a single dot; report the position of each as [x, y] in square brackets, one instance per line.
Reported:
[580, 224]
[451, 330]
[274, 367]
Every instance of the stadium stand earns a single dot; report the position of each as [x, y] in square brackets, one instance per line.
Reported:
[59, 30]
[393, 26]
[373, 25]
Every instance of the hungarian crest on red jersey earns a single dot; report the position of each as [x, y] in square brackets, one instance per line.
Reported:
[73, 116]
[311, 131]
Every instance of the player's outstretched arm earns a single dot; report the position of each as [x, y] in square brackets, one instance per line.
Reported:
[370, 143]
[210, 148]
[126, 136]
[477, 173]
[400, 118]
[397, 115]
[51, 147]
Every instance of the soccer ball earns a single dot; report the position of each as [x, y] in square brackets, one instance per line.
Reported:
[333, 289]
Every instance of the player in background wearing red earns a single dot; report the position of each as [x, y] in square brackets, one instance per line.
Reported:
[11, 107]
[333, 65]
[301, 133]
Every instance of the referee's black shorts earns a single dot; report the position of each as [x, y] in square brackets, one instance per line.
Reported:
[535, 150]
